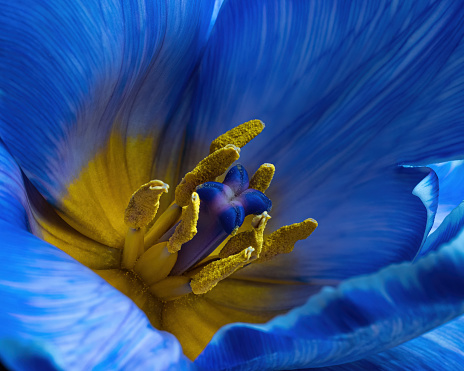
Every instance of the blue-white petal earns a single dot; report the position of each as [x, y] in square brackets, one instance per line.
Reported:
[59, 313]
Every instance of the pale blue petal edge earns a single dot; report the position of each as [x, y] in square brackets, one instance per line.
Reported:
[428, 192]
[451, 176]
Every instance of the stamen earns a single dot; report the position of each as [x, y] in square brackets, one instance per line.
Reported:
[144, 204]
[239, 136]
[155, 264]
[171, 288]
[187, 227]
[252, 238]
[164, 222]
[261, 180]
[207, 170]
[216, 271]
[222, 212]
[133, 248]
[283, 240]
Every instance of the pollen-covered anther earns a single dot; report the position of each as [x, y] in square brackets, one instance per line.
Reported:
[216, 271]
[207, 170]
[239, 136]
[187, 228]
[253, 237]
[144, 204]
[283, 240]
[262, 178]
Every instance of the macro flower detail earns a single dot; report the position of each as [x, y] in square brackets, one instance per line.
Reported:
[174, 255]
[114, 192]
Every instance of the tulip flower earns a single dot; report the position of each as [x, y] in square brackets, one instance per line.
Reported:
[131, 238]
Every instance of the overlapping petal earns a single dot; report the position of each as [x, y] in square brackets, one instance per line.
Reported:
[361, 317]
[440, 349]
[341, 87]
[56, 312]
[74, 73]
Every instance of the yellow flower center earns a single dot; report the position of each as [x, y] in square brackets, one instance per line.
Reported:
[151, 253]
[146, 267]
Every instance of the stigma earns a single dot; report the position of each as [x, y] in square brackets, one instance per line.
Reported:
[205, 235]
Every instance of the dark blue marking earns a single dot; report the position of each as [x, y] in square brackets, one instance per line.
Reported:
[237, 179]
[254, 202]
[232, 217]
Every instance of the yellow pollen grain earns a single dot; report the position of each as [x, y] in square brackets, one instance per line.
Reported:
[261, 179]
[216, 271]
[144, 204]
[253, 237]
[206, 171]
[283, 240]
[239, 136]
[187, 228]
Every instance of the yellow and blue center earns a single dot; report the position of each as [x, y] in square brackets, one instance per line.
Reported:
[169, 260]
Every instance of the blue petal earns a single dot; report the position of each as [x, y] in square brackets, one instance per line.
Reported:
[451, 177]
[72, 74]
[367, 220]
[361, 317]
[60, 310]
[363, 89]
[13, 198]
[440, 349]
[390, 73]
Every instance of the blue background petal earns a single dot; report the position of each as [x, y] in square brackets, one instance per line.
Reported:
[348, 91]
[72, 317]
[73, 73]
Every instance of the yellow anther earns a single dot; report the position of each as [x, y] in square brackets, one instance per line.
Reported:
[155, 264]
[263, 177]
[187, 228]
[216, 271]
[144, 204]
[239, 136]
[207, 170]
[171, 288]
[283, 240]
[252, 238]
[133, 248]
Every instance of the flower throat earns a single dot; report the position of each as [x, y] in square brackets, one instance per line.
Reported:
[204, 236]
